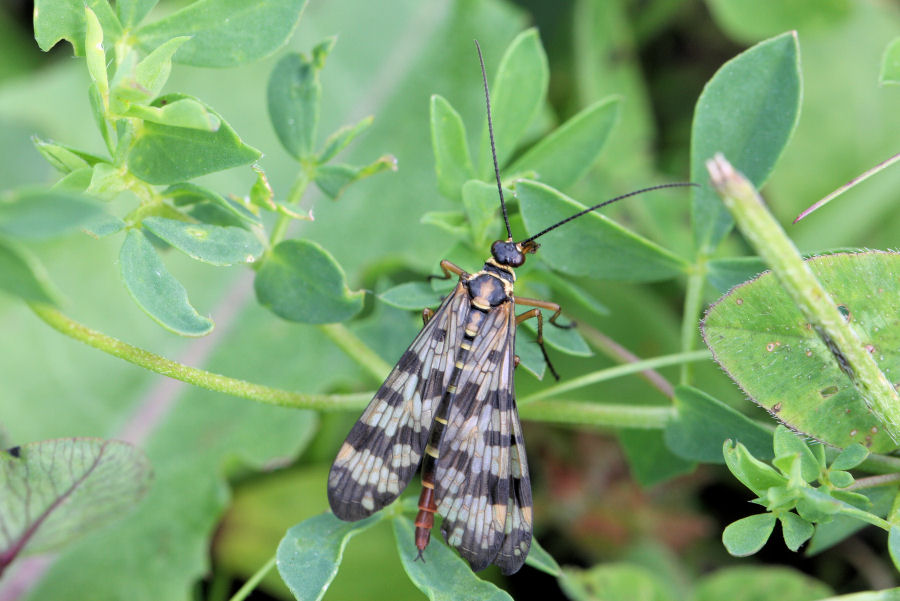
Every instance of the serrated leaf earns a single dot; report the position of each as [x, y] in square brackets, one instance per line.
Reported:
[758, 335]
[748, 535]
[517, 94]
[747, 112]
[563, 157]
[753, 473]
[225, 33]
[208, 243]
[41, 214]
[850, 457]
[53, 491]
[411, 295]
[56, 20]
[156, 291]
[452, 161]
[443, 576]
[795, 530]
[787, 442]
[310, 553]
[23, 276]
[703, 422]
[301, 281]
[593, 245]
[334, 179]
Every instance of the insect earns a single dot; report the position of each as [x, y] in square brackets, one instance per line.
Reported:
[449, 404]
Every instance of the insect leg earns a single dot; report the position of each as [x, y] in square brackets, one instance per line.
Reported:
[448, 268]
[540, 331]
[557, 310]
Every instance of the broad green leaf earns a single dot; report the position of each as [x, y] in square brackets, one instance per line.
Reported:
[747, 112]
[187, 194]
[592, 245]
[40, 214]
[748, 535]
[761, 339]
[840, 478]
[585, 298]
[517, 94]
[615, 582]
[23, 276]
[724, 274]
[145, 80]
[294, 96]
[339, 140]
[310, 553]
[53, 491]
[890, 64]
[539, 559]
[208, 243]
[787, 442]
[760, 582]
[414, 296]
[334, 179]
[850, 457]
[753, 473]
[300, 281]
[225, 33]
[753, 20]
[481, 203]
[443, 576]
[795, 530]
[132, 12]
[187, 113]
[703, 423]
[567, 340]
[452, 161]
[156, 291]
[650, 460]
[564, 156]
[64, 158]
[56, 20]
[166, 155]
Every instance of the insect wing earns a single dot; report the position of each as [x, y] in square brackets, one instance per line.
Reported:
[476, 484]
[517, 534]
[384, 447]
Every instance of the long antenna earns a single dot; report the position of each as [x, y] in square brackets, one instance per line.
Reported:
[607, 202]
[487, 99]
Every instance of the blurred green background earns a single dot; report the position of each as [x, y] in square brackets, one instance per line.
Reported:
[232, 476]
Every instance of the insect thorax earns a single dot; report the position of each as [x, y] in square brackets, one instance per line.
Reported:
[491, 287]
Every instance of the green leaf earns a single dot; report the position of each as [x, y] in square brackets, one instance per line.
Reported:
[795, 530]
[539, 559]
[144, 80]
[817, 506]
[95, 53]
[702, 423]
[65, 158]
[517, 94]
[334, 179]
[443, 576]
[565, 285]
[567, 340]
[187, 113]
[132, 12]
[339, 140]
[414, 296]
[452, 222]
[187, 194]
[840, 478]
[894, 545]
[724, 274]
[261, 194]
[750, 21]
[52, 492]
[208, 243]
[310, 553]
[758, 335]
[850, 457]
[762, 583]
[890, 64]
[156, 291]
[300, 281]
[650, 460]
[753, 473]
[747, 112]
[481, 202]
[23, 276]
[830, 533]
[748, 535]
[294, 96]
[107, 181]
[452, 161]
[787, 443]
[564, 156]
[530, 356]
[41, 214]
[593, 245]
[225, 33]
[615, 582]
[162, 154]
[56, 20]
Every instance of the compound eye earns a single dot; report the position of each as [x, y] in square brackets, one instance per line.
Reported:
[506, 253]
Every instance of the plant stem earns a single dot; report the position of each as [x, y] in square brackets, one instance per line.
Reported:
[250, 585]
[818, 308]
[873, 481]
[615, 372]
[357, 350]
[598, 414]
[693, 304]
[198, 377]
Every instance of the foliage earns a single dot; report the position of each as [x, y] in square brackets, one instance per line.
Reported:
[178, 199]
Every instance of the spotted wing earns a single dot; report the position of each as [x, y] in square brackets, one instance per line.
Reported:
[479, 485]
[384, 447]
